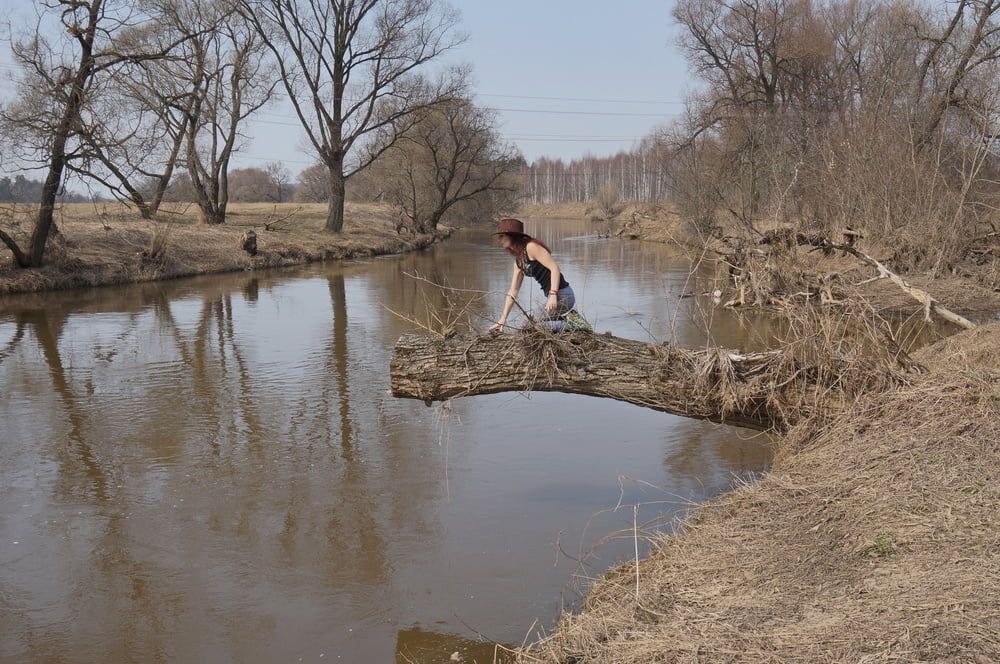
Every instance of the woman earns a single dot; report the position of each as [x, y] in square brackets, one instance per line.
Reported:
[533, 258]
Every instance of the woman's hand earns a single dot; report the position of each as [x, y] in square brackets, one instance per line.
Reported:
[552, 303]
[497, 327]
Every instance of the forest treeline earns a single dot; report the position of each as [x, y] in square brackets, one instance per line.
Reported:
[21, 189]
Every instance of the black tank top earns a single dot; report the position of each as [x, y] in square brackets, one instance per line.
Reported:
[541, 274]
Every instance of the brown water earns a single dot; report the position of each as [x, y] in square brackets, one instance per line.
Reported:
[212, 470]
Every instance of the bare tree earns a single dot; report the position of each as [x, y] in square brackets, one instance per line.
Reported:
[352, 68]
[139, 128]
[224, 69]
[313, 185]
[280, 179]
[452, 154]
[969, 42]
[61, 77]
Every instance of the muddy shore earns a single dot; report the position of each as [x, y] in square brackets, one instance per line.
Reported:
[108, 245]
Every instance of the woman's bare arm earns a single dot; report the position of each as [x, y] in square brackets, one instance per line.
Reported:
[515, 287]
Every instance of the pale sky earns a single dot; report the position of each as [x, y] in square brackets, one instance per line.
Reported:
[613, 66]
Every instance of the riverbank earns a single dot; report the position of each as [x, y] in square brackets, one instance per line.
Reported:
[108, 244]
[970, 289]
[875, 539]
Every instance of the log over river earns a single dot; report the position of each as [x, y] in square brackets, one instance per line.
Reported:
[214, 469]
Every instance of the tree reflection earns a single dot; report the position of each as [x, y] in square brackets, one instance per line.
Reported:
[47, 329]
[15, 340]
[338, 361]
[703, 450]
[354, 534]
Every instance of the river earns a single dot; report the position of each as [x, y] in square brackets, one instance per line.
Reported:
[213, 470]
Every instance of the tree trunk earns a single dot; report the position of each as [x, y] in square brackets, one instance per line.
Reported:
[19, 258]
[163, 182]
[53, 180]
[710, 384]
[210, 215]
[432, 222]
[57, 158]
[145, 212]
[335, 210]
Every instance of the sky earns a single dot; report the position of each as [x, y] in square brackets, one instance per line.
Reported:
[567, 77]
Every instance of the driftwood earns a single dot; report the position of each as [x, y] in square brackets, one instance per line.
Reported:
[930, 305]
[711, 384]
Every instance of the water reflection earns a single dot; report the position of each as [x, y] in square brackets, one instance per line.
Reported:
[213, 469]
[79, 453]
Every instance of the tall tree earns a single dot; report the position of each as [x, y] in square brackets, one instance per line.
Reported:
[61, 75]
[226, 72]
[352, 68]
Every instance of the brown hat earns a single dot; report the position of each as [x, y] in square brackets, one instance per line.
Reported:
[510, 227]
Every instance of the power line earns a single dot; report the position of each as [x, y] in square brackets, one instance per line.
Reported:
[586, 99]
[17, 68]
[616, 136]
[571, 140]
[555, 112]
[551, 112]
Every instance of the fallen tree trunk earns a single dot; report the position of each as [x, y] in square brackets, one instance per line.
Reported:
[711, 384]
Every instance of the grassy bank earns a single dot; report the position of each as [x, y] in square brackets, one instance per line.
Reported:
[876, 539]
[553, 211]
[108, 244]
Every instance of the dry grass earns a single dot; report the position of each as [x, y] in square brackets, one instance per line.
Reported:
[107, 244]
[873, 540]
[553, 211]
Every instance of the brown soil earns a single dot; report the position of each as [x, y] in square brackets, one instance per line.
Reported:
[105, 244]
[875, 539]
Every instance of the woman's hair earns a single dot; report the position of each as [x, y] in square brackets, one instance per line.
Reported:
[519, 247]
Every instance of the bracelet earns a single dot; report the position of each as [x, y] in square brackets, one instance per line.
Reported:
[552, 292]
